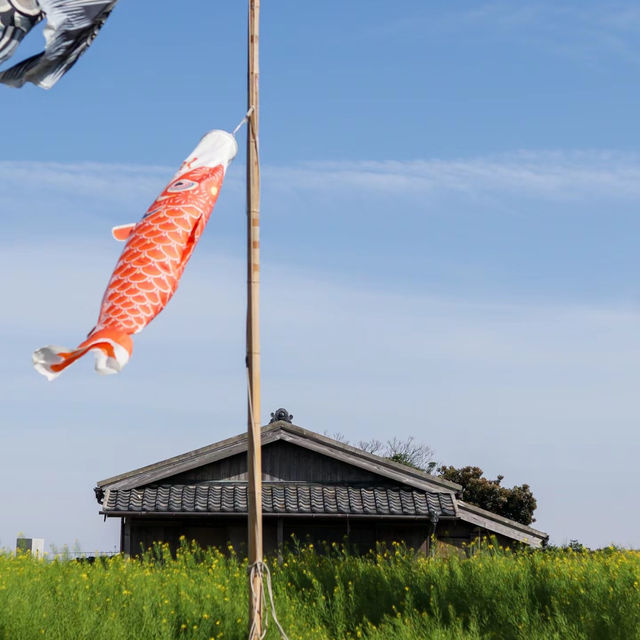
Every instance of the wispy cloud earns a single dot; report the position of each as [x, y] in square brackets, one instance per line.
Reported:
[589, 32]
[111, 181]
[553, 174]
[559, 175]
[62, 199]
[586, 32]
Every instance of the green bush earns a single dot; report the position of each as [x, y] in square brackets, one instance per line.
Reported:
[392, 593]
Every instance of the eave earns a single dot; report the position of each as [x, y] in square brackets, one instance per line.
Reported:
[501, 525]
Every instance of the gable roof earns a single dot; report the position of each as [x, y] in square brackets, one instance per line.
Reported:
[281, 431]
[285, 431]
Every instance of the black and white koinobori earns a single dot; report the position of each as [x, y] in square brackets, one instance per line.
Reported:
[71, 27]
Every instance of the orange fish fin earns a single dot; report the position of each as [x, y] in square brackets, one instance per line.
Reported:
[192, 241]
[122, 232]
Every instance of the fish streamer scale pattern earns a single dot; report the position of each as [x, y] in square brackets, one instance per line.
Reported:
[152, 262]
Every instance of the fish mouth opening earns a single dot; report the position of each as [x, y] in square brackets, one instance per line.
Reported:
[216, 148]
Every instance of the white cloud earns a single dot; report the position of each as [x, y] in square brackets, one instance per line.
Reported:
[558, 175]
[574, 29]
[111, 181]
[590, 33]
[44, 188]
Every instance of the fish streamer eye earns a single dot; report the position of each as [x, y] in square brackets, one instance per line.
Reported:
[182, 185]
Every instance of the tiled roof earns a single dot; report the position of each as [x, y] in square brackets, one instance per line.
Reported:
[280, 498]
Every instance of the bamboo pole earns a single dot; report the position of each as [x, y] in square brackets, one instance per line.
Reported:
[254, 453]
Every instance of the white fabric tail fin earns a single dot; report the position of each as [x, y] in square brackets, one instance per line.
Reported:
[112, 350]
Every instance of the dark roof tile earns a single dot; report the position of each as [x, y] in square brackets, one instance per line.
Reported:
[382, 501]
[201, 500]
[189, 498]
[175, 497]
[420, 500]
[290, 499]
[342, 500]
[240, 499]
[317, 500]
[330, 502]
[227, 499]
[304, 499]
[447, 506]
[214, 499]
[368, 501]
[355, 500]
[395, 504]
[280, 498]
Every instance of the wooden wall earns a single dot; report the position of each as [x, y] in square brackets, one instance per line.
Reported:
[361, 534]
[281, 462]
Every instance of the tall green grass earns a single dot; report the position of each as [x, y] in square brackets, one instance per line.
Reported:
[200, 595]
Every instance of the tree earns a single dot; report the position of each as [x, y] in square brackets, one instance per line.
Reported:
[516, 503]
[408, 452]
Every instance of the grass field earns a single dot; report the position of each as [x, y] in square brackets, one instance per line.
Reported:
[391, 594]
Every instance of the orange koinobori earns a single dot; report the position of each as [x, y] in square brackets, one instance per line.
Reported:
[149, 269]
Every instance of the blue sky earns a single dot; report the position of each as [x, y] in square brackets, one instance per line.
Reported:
[449, 224]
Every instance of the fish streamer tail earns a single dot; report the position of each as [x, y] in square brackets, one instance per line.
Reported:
[112, 350]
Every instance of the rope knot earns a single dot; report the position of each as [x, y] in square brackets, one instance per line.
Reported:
[258, 570]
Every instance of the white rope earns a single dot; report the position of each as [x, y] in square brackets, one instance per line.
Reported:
[243, 121]
[260, 568]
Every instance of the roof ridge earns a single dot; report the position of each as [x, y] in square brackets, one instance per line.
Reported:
[280, 430]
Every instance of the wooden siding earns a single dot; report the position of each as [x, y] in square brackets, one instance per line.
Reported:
[361, 535]
[281, 462]
[394, 472]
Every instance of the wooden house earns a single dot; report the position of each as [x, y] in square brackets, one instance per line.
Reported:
[314, 488]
